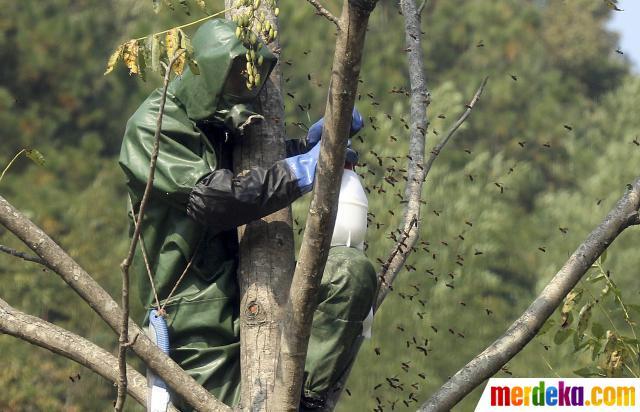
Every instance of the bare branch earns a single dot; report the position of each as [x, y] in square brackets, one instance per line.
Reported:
[104, 305]
[524, 329]
[123, 341]
[420, 100]
[421, 7]
[21, 255]
[416, 177]
[322, 212]
[58, 340]
[324, 12]
[452, 130]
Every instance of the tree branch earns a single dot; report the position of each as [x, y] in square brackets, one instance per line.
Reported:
[58, 340]
[324, 204]
[104, 305]
[420, 99]
[421, 7]
[123, 340]
[524, 329]
[324, 12]
[417, 175]
[21, 255]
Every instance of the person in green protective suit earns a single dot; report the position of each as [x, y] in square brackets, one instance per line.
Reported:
[189, 228]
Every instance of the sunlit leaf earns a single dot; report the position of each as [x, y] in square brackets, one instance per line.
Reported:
[114, 58]
[130, 56]
[570, 301]
[172, 42]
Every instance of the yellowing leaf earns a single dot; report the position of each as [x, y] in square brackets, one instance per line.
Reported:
[178, 66]
[113, 59]
[172, 41]
[130, 56]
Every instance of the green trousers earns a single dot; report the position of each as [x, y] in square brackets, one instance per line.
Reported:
[204, 327]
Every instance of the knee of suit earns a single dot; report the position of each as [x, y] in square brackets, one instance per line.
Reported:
[348, 284]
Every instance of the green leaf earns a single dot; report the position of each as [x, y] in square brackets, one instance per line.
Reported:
[142, 62]
[35, 156]
[546, 326]
[562, 335]
[583, 318]
[587, 372]
[597, 330]
[597, 349]
[599, 277]
[155, 53]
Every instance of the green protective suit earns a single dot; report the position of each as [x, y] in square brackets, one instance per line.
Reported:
[197, 203]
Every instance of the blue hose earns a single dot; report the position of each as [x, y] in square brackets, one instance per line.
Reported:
[160, 333]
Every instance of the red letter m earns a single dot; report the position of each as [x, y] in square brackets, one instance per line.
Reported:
[500, 396]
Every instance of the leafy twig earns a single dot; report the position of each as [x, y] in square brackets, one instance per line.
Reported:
[123, 341]
[33, 154]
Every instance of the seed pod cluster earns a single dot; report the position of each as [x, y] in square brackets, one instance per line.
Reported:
[249, 19]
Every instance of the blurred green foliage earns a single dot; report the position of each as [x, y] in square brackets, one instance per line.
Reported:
[555, 129]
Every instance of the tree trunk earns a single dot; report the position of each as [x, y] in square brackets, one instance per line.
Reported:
[266, 251]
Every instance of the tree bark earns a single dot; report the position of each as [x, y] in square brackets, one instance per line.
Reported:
[266, 249]
[104, 305]
[58, 340]
[487, 363]
[323, 208]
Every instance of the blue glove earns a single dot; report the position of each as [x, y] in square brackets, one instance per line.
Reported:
[352, 155]
[304, 168]
[315, 131]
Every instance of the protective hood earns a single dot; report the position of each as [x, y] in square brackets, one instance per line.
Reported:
[219, 93]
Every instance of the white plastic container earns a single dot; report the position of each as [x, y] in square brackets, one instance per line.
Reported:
[351, 222]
